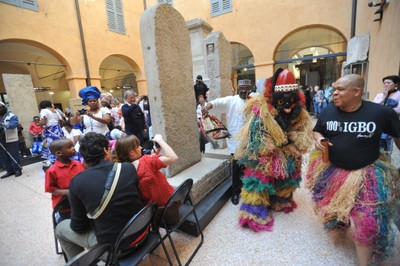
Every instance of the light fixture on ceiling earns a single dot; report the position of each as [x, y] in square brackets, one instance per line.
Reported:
[41, 88]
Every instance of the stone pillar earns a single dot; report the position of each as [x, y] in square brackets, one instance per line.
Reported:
[198, 30]
[218, 61]
[19, 89]
[168, 65]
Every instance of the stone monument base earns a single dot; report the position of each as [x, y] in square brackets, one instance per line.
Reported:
[211, 187]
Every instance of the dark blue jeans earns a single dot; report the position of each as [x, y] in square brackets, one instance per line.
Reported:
[237, 174]
[8, 163]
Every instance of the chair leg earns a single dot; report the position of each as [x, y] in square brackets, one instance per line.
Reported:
[165, 249]
[58, 249]
[201, 240]
[173, 246]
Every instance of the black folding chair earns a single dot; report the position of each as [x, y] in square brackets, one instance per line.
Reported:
[180, 197]
[89, 256]
[138, 223]
[61, 212]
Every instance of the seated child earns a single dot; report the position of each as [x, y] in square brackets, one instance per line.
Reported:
[153, 185]
[59, 175]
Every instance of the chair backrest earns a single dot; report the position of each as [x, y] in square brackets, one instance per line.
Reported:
[89, 256]
[138, 223]
[178, 198]
[61, 211]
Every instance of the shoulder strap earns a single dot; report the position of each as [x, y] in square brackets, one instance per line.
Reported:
[108, 192]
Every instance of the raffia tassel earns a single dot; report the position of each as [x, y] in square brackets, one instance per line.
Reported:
[286, 192]
[244, 214]
[272, 127]
[255, 198]
[315, 167]
[341, 205]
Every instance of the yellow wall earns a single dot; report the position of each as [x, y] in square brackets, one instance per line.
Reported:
[384, 55]
[55, 29]
[262, 24]
[258, 24]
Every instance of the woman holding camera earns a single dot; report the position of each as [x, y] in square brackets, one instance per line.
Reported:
[153, 185]
[95, 118]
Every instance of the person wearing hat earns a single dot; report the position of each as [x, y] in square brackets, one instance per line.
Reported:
[95, 118]
[278, 131]
[233, 106]
[200, 88]
[9, 150]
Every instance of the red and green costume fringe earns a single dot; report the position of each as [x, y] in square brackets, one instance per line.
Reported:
[272, 159]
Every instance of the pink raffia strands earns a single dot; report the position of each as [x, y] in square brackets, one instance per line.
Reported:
[333, 186]
[256, 110]
[248, 172]
[363, 213]
[256, 227]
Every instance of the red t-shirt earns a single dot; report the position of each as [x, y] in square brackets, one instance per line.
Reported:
[58, 176]
[153, 185]
[35, 129]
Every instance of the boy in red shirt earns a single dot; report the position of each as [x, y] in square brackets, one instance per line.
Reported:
[59, 175]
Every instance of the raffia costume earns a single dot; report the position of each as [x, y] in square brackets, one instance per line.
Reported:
[271, 152]
[357, 188]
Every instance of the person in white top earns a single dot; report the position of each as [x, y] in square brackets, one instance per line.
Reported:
[51, 120]
[391, 98]
[95, 118]
[71, 133]
[233, 106]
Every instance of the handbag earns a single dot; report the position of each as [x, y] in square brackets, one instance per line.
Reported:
[213, 128]
[37, 146]
[111, 183]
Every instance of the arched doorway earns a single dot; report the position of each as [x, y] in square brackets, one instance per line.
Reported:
[242, 63]
[313, 53]
[29, 73]
[118, 74]
[45, 66]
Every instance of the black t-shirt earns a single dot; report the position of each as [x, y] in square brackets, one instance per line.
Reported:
[85, 192]
[200, 89]
[355, 135]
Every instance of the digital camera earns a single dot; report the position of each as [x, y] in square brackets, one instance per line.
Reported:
[82, 111]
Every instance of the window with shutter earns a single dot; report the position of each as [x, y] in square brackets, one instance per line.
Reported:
[219, 7]
[26, 4]
[115, 16]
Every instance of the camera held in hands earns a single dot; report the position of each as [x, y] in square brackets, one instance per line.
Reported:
[82, 111]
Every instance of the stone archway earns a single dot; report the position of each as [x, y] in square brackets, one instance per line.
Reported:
[242, 63]
[29, 73]
[118, 74]
[315, 54]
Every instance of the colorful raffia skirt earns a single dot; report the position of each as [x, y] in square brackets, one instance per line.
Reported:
[365, 197]
[51, 133]
[267, 187]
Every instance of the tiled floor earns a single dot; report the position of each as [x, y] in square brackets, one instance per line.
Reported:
[26, 236]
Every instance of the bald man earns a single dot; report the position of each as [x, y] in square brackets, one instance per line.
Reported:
[355, 189]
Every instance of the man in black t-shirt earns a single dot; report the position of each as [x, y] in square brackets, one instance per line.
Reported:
[357, 184]
[200, 88]
[85, 195]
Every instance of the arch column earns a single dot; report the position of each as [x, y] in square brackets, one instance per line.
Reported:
[142, 87]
